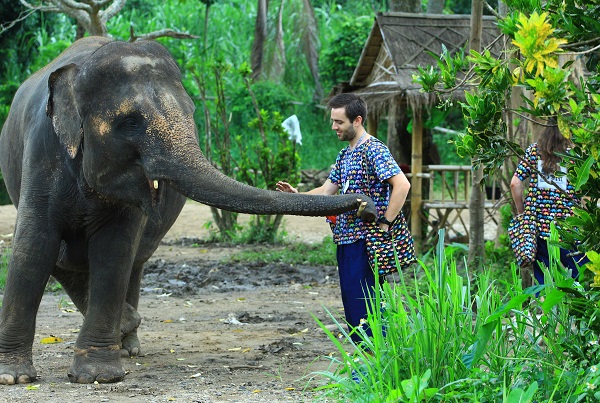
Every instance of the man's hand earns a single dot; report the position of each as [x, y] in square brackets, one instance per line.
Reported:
[286, 187]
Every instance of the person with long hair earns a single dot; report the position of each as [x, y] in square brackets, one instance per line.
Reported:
[550, 196]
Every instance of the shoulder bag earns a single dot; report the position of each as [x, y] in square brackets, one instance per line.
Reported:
[523, 235]
[388, 250]
[523, 230]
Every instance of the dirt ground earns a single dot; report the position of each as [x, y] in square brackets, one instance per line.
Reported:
[211, 331]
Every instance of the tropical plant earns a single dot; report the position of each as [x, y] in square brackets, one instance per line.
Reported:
[443, 336]
[575, 102]
[339, 60]
[270, 62]
[274, 157]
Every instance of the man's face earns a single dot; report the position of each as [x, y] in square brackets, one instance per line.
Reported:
[344, 129]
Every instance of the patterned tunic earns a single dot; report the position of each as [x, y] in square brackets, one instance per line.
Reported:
[349, 174]
[543, 198]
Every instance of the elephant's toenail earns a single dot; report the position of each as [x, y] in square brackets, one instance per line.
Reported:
[7, 379]
[24, 379]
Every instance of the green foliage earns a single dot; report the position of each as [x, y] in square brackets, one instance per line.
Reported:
[505, 343]
[4, 197]
[269, 96]
[4, 258]
[340, 58]
[259, 154]
[535, 67]
[24, 49]
[322, 254]
[54, 286]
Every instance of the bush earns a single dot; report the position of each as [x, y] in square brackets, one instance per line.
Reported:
[441, 336]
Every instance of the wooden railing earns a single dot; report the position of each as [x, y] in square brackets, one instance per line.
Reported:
[449, 186]
[446, 192]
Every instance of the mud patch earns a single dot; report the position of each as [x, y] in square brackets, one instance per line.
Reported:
[191, 277]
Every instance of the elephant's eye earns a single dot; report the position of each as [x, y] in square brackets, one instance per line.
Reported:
[129, 124]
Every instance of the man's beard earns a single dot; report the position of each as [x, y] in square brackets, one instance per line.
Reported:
[348, 134]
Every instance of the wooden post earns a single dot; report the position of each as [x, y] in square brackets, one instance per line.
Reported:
[393, 136]
[476, 212]
[416, 191]
[372, 123]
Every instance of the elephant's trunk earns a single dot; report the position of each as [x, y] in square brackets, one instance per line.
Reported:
[197, 179]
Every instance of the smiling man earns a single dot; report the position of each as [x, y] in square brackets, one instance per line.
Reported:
[365, 166]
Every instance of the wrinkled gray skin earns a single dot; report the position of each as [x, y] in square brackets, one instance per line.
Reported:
[86, 139]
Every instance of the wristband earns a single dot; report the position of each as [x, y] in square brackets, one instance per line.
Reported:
[383, 220]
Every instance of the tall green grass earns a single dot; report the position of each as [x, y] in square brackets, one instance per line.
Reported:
[440, 334]
[294, 253]
[4, 258]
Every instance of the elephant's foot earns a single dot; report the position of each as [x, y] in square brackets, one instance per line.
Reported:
[12, 373]
[96, 364]
[130, 320]
[130, 345]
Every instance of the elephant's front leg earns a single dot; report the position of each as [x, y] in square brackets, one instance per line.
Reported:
[97, 350]
[76, 283]
[34, 253]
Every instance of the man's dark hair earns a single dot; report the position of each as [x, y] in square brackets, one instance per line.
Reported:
[355, 105]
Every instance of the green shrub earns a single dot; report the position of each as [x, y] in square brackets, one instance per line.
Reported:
[4, 258]
[292, 253]
[339, 59]
[448, 337]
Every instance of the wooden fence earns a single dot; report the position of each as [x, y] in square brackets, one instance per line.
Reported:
[446, 192]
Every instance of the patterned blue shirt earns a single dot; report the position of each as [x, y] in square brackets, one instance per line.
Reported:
[543, 199]
[349, 174]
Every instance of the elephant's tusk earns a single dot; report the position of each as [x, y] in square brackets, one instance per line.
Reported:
[155, 184]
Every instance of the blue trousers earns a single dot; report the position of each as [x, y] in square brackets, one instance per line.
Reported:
[356, 280]
[569, 262]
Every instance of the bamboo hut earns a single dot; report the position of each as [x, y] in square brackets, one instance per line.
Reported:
[397, 44]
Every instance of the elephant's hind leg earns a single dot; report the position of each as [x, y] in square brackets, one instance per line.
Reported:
[130, 343]
[130, 321]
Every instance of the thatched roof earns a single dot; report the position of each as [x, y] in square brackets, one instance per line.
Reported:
[398, 43]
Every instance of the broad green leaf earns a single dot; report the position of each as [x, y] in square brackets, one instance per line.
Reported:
[583, 173]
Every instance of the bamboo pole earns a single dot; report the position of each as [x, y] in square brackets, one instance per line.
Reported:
[416, 184]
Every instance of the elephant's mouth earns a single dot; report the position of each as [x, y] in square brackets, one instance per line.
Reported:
[150, 206]
[154, 189]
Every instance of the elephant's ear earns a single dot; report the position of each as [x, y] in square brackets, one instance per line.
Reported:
[62, 108]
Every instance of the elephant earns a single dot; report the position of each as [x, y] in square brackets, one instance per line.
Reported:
[99, 153]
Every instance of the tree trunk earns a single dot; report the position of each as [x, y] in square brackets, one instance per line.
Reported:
[435, 6]
[80, 31]
[276, 65]
[206, 18]
[310, 46]
[406, 6]
[260, 35]
[476, 209]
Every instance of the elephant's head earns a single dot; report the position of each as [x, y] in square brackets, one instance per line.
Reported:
[125, 110]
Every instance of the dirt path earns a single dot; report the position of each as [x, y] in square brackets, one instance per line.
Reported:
[214, 332]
